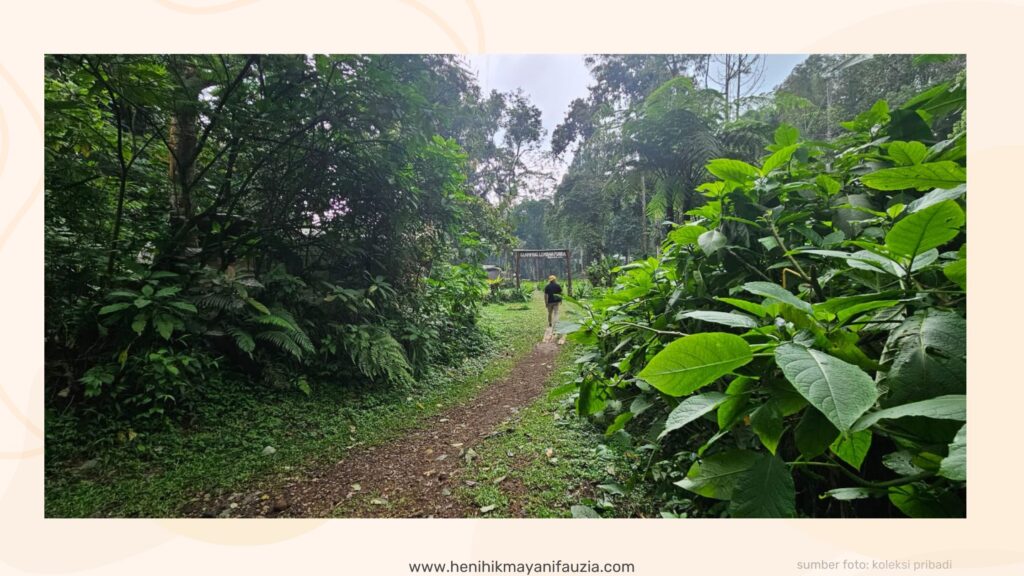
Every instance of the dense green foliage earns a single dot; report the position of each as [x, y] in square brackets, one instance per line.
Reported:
[798, 345]
[641, 138]
[180, 470]
[503, 290]
[772, 286]
[278, 221]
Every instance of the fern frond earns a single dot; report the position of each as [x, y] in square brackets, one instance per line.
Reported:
[284, 314]
[243, 339]
[258, 305]
[218, 302]
[656, 205]
[377, 354]
[745, 140]
[300, 338]
[275, 320]
[283, 341]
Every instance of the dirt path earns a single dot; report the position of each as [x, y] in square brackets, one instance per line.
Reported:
[414, 475]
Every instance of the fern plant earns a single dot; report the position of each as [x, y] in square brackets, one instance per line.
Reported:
[246, 320]
[375, 352]
[282, 331]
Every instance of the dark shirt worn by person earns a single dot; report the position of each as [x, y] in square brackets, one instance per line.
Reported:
[552, 291]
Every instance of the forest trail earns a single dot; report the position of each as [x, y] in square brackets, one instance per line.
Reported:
[416, 474]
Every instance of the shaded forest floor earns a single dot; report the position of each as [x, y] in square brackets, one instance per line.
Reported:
[480, 439]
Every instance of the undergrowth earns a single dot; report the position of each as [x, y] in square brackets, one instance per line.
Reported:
[223, 452]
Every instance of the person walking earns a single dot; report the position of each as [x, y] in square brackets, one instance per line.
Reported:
[552, 298]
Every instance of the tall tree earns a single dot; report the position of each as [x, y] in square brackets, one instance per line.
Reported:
[737, 76]
[673, 137]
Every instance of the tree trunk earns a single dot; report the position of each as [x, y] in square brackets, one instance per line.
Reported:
[739, 76]
[670, 208]
[728, 80]
[122, 184]
[183, 139]
[183, 147]
[643, 217]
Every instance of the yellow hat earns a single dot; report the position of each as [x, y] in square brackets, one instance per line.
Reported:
[551, 278]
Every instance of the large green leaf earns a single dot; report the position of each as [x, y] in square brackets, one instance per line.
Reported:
[954, 465]
[827, 185]
[619, 423]
[852, 447]
[725, 318]
[907, 153]
[589, 400]
[164, 325]
[924, 259]
[734, 170]
[184, 306]
[755, 309]
[735, 405]
[695, 361]
[849, 212]
[951, 407]
[834, 305]
[862, 259]
[764, 491]
[777, 159]
[786, 135]
[139, 323]
[640, 404]
[956, 271]
[785, 397]
[111, 308]
[936, 196]
[692, 408]
[686, 235]
[711, 241]
[776, 292]
[716, 476]
[902, 463]
[927, 229]
[168, 291]
[927, 357]
[767, 423]
[873, 262]
[857, 309]
[929, 175]
[854, 493]
[841, 391]
[814, 433]
[919, 501]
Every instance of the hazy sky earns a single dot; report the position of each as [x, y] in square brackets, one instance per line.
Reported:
[553, 80]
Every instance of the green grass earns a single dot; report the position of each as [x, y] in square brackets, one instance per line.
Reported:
[514, 473]
[225, 455]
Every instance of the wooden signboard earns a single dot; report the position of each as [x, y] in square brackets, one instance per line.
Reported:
[552, 254]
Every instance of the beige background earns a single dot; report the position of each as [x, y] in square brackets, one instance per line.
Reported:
[989, 542]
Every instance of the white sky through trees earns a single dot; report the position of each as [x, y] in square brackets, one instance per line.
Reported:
[552, 81]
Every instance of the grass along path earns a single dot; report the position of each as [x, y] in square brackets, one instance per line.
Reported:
[413, 476]
[178, 473]
[481, 439]
[538, 461]
[547, 463]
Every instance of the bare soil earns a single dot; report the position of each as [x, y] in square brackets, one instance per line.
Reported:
[409, 477]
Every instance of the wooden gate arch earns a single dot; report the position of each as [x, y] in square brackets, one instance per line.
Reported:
[547, 254]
